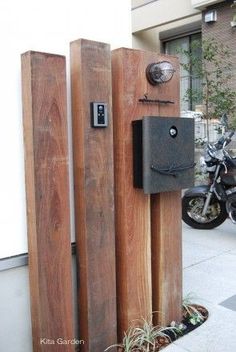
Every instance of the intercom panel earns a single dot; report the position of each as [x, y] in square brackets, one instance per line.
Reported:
[99, 115]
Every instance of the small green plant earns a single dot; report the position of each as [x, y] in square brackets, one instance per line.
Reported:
[129, 343]
[145, 337]
[148, 335]
[180, 327]
[200, 142]
[210, 63]
[194, 316]
[201, 178]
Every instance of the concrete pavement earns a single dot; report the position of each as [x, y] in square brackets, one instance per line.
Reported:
[209, 261]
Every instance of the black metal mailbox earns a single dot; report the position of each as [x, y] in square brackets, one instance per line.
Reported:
[163, 153]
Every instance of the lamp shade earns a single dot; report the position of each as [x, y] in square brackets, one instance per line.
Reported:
[159, 72]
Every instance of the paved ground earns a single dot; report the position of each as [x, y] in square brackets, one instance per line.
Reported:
[209, 260]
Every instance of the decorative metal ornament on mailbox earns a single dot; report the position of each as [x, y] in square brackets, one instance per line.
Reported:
[163, 153]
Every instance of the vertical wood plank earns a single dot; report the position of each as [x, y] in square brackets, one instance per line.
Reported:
[167, 229]
[133, 231]
[47, 188]
[138, 282]
[94, 195]
[167, 257]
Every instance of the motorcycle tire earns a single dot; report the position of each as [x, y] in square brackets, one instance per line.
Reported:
[203, 225]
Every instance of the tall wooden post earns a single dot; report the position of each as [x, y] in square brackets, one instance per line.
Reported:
[166, 257]
[167, 227]
[142, 272]
[94, 197]
[47, 187]
[133, 227]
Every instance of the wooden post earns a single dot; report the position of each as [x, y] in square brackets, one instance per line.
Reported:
[47, 187]
[94, 196]
[166, 257]
[138, 286]
[166, 227]
[133, 231]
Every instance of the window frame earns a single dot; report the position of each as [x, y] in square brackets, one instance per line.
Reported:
[189, 36]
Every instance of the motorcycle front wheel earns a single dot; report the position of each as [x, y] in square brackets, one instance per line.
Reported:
[192, 212]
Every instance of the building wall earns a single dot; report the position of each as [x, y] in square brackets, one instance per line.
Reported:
[46, 26]
[151, 27]
[223, 32]
[203, 4]
[15, 326]
[139, 3]
[155, 19]
[161, 12]
[15, 322]
[152, 39]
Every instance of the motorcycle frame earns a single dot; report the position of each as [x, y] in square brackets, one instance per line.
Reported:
[211, 191]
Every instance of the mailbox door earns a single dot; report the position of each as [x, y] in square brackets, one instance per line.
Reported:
[168, 153]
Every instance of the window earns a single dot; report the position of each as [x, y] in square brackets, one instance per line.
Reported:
[187, 79]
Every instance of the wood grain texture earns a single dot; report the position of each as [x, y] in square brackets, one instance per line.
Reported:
[94, 196]
[167, 257]
[135, 277]
[166, 229]
[47, 188]
[133, 240]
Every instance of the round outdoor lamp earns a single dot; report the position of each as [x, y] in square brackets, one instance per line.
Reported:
[159, 72]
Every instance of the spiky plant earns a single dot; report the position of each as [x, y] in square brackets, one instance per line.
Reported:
[129, 343]
[195, 317]
[148, 335]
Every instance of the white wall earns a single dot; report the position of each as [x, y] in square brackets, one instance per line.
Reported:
[15, 322]
[15, 325]
[49, 26]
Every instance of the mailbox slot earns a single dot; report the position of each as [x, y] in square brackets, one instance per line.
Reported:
[163, 153]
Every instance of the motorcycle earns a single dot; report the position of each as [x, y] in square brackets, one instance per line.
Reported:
[208, 206]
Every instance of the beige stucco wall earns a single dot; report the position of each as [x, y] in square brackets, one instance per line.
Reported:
[150, 18]
[150, 39]
[202, 4]
[197, 4]
[161, 12]
[136, 3]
